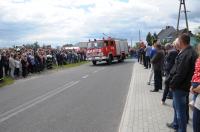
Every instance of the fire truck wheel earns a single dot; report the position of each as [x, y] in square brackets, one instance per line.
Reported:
[94, 62]
[109, 61]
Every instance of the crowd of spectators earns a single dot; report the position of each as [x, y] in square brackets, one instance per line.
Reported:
[180, 64]
[20, 62]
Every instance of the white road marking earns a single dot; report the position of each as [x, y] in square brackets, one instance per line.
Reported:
[102, 69]
[7, 115]
[95, 71]
[99, 70]
[86, 76]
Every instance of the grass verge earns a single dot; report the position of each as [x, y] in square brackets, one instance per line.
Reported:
[70, 65]
[6, 81]
[9, 80]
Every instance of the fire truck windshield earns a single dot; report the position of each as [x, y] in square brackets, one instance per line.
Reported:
[96, 44]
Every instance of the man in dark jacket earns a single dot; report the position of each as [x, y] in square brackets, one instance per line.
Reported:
[157, 62]
[180, 81]
[169, 62]
[5, 63]
[1, 69]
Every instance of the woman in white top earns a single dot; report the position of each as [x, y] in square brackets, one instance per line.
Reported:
[17, 66]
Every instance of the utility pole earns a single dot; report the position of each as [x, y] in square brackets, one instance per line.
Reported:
[139, 36]
[131, 43]
[182, 3]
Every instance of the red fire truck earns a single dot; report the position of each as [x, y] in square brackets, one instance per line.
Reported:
[107, 50]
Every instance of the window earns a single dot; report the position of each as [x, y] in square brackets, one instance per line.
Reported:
[111, 43]
[96, 44]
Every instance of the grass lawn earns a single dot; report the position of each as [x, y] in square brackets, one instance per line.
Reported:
[6, 81]
[70, 65]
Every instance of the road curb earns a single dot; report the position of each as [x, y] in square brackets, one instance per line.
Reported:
[126, 113]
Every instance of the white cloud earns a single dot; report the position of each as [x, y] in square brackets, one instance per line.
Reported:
[76, 20]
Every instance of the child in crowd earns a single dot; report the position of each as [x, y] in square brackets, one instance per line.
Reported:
[195, 79]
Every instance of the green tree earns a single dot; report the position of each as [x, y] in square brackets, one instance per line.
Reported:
[164, 42]
[36, 45]
[198, 34]
[137, 45]
[149, 38]
[155, 36]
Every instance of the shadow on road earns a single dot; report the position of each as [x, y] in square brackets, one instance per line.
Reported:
[114, 63]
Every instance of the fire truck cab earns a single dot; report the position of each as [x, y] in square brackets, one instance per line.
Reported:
[107, 50]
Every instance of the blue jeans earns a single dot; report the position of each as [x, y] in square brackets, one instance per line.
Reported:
[196, 120]
[195, 85]
[180, 107]
[157, 80]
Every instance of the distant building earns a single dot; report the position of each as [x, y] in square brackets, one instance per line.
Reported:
[175, 34]
[82, 44]
[67, 45]
[169, 34]
[166, 35]
[46, 46]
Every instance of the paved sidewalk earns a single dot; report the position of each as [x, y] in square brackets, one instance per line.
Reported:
[143, 111]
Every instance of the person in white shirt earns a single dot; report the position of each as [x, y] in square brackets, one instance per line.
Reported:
[17, 66]
[12, 65]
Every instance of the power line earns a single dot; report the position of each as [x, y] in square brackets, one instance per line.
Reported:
[106, 35]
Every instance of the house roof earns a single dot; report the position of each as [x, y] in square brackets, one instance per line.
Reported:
[171, 34]
[175, 34]
[166, 33]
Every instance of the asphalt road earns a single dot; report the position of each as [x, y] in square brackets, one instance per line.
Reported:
[82, 99]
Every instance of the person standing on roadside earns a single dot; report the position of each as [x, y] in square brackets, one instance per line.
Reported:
[196, 78]
[24, 64]
[5, 62]
[144, 54]
[17, 66]
[195, 89]
[170, 60]
[196, 110]
[157, 62]
[147, 56]
[181, 75]
[1, 68]
[153, 52]
[12, 65]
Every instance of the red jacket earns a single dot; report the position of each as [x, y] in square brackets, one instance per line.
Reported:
[196, 76]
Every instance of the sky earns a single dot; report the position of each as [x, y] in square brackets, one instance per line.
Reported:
[58, 22]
